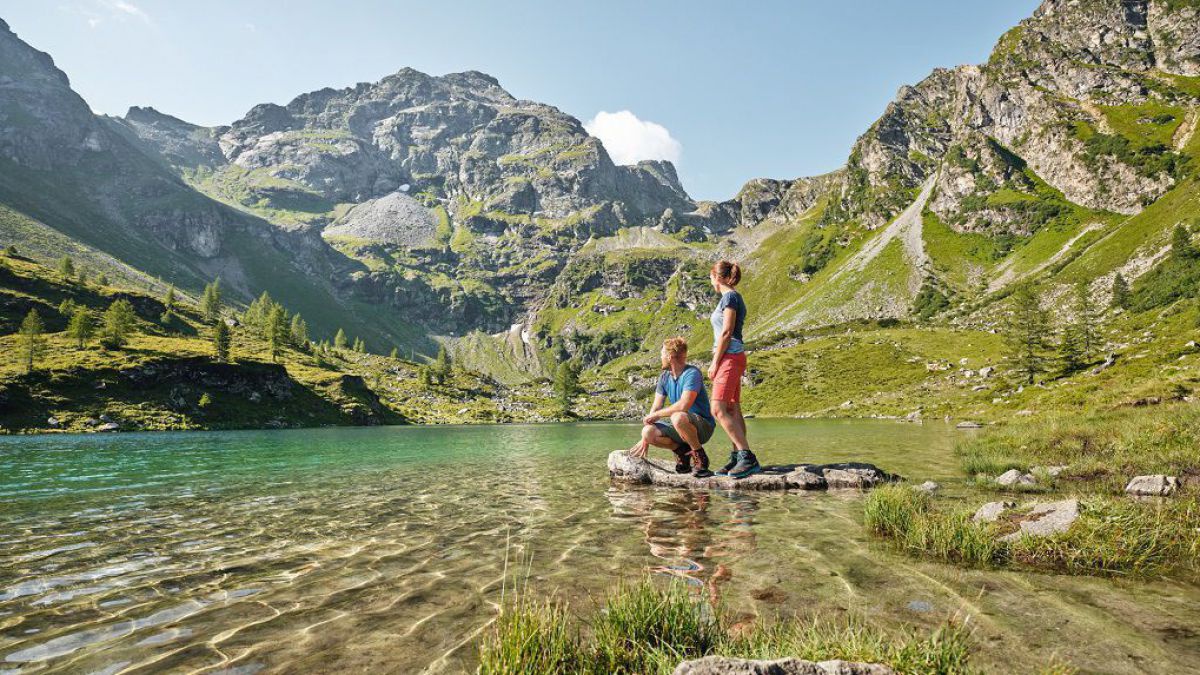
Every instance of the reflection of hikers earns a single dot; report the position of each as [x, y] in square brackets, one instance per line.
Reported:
[728, 365]
[686, 424]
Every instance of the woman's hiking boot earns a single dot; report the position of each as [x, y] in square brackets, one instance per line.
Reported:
[700, 463]
[683, 459]
[733, 459]
[747, 465]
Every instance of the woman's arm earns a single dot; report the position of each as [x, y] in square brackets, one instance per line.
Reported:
[727, 324]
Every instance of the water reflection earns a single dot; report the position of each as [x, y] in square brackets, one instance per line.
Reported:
[697, 535]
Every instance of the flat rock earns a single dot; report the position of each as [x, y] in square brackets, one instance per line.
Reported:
[968, 425]
[109, 426]
[1052, 471]
[1156, 485]
[1046, 519]
[628, 469]
[721, 665]
[929, 487]
[991, 511]
[1014, 477]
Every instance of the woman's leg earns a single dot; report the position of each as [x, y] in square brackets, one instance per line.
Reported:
[723, 411]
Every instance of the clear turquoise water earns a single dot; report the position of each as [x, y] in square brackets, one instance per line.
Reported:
[383, 549]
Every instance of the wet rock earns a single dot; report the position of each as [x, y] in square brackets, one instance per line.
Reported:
[1046, 519]
[721, 665]
[628, 469]
[928, 486]
[968, 425]
[1153, 486]
[991, 511]
[1014, 477]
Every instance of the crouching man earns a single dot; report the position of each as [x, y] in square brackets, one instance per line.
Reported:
[680, 419]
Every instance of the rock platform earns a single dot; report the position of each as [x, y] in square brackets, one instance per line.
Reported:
[857, 475]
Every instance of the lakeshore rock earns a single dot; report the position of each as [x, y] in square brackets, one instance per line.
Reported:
[968, 425]
[109, 426]
[1153, 486]
[929, 487]
[991, 511]
[1046, 519]
[628, 469]
[721, 665]
[1014, 477]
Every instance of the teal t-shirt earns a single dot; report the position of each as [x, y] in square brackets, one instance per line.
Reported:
[689, 380]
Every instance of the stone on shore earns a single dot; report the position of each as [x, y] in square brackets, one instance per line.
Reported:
[968, 425]
[1153, 486]
[721, 665]
[1014, 477]
[991, 511]
[1046, 519]
[628, 469]
[928, 487]
[109, 426]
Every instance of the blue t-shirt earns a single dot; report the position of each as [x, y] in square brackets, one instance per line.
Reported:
[689, 380]
[731, 299]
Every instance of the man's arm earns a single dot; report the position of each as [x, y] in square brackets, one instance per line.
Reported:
[686, 399]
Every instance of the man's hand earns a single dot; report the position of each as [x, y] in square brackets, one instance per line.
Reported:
[650, 419]
[639, 449]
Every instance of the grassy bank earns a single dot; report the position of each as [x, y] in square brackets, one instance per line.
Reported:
[1113, 536]
[1100, 450]
[650, 628]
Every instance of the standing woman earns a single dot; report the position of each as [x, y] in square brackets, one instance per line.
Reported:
[728, 366]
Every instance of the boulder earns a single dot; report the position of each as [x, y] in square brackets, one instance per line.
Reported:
[53, 423]
[721, 665]
[928, 486]
[1153, 486]
[1014, 477]
[626, 469]
[109, 426]
[1046, 519]
[991, 511]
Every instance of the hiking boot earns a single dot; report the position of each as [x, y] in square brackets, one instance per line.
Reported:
[683, 459]
[747, 465]
[700, 463]
[733, 457]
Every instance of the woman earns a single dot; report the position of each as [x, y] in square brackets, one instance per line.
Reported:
[728, 366]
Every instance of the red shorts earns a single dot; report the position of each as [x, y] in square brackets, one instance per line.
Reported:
[727, 385]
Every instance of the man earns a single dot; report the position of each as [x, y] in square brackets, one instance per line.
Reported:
[685, 424]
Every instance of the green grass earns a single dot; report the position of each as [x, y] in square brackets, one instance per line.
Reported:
[1149, 123]
[1115, 445]
[649, 628]
[1112, 537]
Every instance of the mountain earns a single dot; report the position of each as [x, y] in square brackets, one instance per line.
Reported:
[422, 209]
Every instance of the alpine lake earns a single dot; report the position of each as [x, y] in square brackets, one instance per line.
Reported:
[388, 549]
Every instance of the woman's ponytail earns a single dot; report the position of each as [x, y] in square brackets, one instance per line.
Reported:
[727, 272]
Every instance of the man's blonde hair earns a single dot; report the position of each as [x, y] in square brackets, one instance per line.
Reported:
[675, 346]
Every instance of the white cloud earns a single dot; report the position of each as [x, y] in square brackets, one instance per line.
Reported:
[97, 12]
[128, 8]
[630, 140]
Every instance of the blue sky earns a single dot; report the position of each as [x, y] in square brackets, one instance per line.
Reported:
[734, 90]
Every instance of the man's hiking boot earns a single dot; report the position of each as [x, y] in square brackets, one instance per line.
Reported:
[683, 459]
[733, 458]
[700, 463]
[747, 465]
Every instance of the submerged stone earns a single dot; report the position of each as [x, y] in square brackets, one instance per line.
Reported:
[1153, 486]
[628, 469]
[722, 665]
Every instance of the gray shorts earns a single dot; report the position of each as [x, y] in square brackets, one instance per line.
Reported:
[704, 428]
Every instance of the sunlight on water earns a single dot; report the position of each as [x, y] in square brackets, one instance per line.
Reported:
[383, 549]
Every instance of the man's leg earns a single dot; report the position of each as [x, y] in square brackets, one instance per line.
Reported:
[687, 430]
[652, 435]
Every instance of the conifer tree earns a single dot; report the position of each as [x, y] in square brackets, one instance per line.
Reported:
[66, 307]
[118, 323]
[566, 384]
[1087, 322]
[359, 346]
[210, 302]
[80, 327]
[66, 267]
[299, 332]
[1120, 292]
[442, 365]
[102, 279]
[1026, 334]
[339, 340]
[277, 330]
[32, 340]
[395, 354]
[222, 340]
[169, 299]
[1181, 244]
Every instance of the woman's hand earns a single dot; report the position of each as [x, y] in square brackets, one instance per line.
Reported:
[712, 370]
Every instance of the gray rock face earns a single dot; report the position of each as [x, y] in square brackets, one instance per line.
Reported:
[628, 469]
[1046, 519]
[721, 665]
[1153, 486]
[395, 218]
[991, 511]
